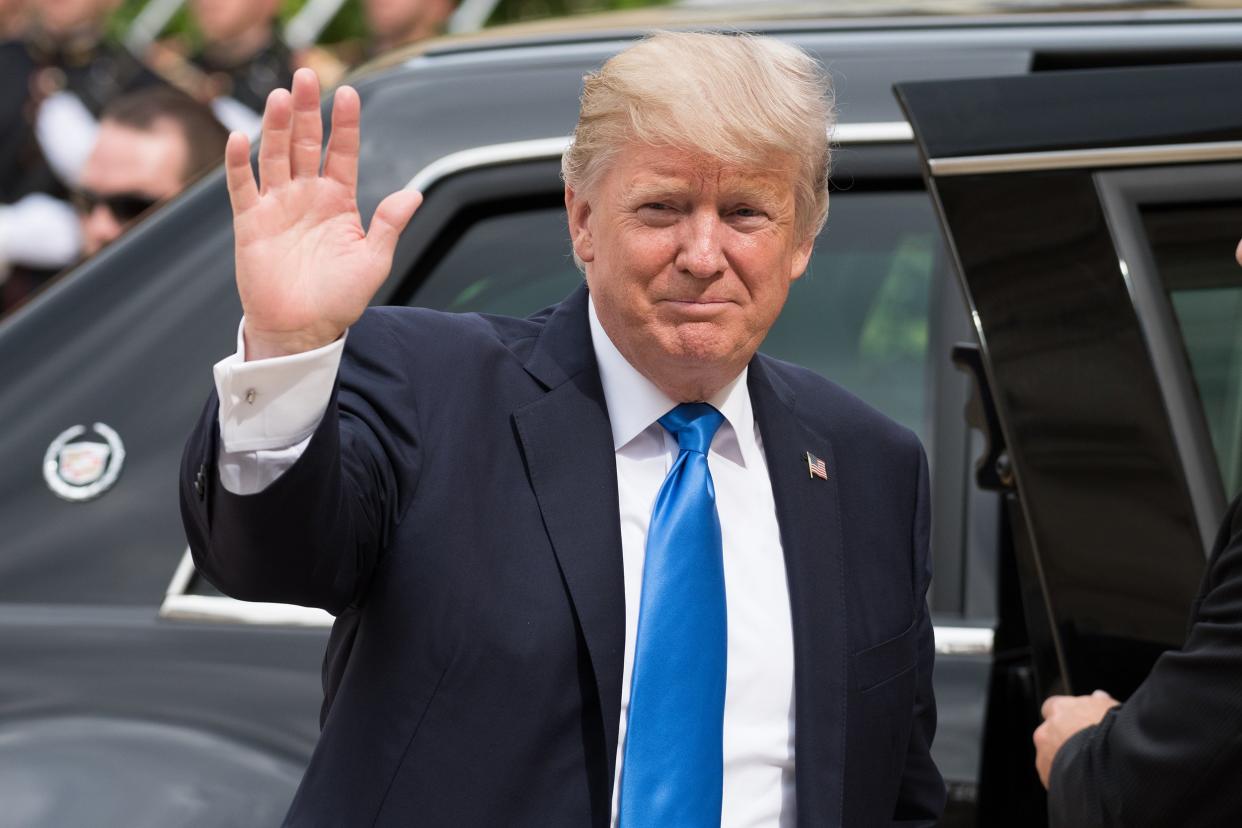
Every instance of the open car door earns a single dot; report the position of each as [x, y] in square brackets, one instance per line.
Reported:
[1093, 217]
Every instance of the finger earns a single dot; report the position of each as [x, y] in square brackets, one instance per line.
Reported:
[391, 217]
[307, 138]
[1101, 694]
[274, 141]
[341, 162]
[1050, 705]
[1040, 738]
[243, 192]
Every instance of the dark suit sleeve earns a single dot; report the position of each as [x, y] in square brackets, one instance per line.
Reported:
[921, 798]
[314, 536]
[1171, 754]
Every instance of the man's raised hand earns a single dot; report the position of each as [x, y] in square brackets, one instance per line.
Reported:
[306, 270]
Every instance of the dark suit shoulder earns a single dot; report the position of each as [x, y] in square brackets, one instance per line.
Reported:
[422, 333]
[1220, 595]
[831, 410]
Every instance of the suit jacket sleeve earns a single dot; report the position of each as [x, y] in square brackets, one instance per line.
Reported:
[315, 535]
[1169, 755]
[921, 798]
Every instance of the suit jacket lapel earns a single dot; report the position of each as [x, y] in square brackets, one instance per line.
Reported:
[810, 524]
[567, 445]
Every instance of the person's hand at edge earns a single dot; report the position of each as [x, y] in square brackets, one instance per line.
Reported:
[1063, 717]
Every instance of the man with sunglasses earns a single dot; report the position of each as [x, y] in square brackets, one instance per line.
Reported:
[150, 145]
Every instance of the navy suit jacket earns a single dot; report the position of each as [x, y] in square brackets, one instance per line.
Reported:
[457, 510]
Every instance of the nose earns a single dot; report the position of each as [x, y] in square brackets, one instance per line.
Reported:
[99, 227]
[700, 252]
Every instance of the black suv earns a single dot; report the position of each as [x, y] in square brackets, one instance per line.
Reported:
[1082, 409]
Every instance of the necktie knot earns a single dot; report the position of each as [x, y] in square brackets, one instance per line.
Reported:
[694, 425]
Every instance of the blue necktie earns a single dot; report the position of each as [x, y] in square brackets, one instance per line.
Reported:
[672, 776]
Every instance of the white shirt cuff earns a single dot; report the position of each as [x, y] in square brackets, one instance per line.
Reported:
[274, 403]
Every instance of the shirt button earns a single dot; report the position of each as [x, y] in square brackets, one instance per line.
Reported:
[250, 395]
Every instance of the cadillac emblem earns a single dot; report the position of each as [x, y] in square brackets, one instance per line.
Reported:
[81, 464]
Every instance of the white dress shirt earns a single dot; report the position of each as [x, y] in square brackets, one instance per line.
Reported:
[269, 409]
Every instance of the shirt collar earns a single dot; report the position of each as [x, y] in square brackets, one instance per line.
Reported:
[635, 402]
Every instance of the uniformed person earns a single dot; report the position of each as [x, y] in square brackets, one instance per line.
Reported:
[58, 78]
[65, 50]
[394, 23]
[243, 57]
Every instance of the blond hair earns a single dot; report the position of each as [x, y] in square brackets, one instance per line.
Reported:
[739, 98]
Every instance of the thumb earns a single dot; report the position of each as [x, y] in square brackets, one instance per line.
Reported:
[391, 217]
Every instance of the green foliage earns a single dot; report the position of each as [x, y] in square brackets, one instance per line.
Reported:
[348, 23]
[509, 11]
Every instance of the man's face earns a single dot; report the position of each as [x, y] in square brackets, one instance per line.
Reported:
[227, 19]
[128, 166]
[689, 261]
[60, 17]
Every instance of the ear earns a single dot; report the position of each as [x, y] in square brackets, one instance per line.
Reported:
[578, 208]
[801, 258]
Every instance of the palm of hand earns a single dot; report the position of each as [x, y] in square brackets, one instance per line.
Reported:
[306, 268]
[311, 231]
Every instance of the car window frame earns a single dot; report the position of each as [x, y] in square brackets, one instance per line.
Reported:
[1122, 194]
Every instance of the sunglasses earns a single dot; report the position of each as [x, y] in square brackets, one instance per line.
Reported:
[124, 206]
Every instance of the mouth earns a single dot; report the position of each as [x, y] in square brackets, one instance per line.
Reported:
[696, 309]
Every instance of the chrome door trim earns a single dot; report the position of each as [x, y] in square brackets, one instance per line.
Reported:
[180, 606]
[1080, 158]
[541, 149]
[964, 640]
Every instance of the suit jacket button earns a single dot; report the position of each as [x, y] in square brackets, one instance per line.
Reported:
[200, 481]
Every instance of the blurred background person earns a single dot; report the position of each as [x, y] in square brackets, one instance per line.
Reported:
[64, 71]
[14, 16]
[243, 57]
[151, 145]
[389, 24]
[393, 23]
[58, 77]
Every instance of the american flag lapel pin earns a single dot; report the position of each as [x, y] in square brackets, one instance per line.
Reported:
[816, 466]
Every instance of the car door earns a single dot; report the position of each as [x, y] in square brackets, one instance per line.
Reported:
[1092, 218]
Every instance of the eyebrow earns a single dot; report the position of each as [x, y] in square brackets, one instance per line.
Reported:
[743, 188]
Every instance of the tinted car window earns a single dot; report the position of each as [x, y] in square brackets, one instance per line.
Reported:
[1194, 245]
[859, 315]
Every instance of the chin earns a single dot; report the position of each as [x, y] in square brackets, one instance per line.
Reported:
[701, 344]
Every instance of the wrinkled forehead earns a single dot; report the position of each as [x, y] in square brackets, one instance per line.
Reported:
[639, 168]
[136, 161]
